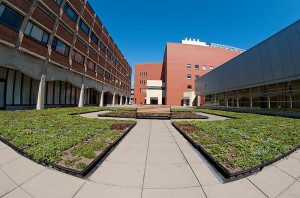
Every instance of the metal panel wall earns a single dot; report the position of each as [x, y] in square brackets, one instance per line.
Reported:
[273, 60]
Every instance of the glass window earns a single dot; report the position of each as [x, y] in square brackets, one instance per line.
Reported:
[10, 17]
[107, 75]
[197, 76]
[78, 58]
[37, 33]
[211, 67]
[102, 47]
[189, 86]
[196, 67]
[189, 76]
[203, 67]
[84, 27]
[2, 7]
[91, 65]
[60, 47]
[189, 66]
[28, 28]
[58, 2]
[100, 71]
[70, 13]
[94, 38]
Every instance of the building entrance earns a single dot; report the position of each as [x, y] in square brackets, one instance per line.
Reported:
[154, 101]
[2, 94]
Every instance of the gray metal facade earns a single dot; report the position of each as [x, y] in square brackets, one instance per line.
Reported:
[277, 59]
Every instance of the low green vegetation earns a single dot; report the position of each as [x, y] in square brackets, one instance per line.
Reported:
[57, 135]
[245, 141]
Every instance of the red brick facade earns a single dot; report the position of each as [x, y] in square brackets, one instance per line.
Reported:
[46, 15]
[177, 57]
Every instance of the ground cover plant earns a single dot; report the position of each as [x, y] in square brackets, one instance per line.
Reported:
[246, 141]
[56, 135]
[119, 114]
[186, 115]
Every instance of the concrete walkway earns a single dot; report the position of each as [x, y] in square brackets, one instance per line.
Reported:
[152, 161]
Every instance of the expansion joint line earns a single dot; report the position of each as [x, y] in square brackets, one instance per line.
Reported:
[149, 136]
[185, 158]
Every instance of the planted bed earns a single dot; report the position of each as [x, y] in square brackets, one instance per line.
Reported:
[61, 139]
[245, 143]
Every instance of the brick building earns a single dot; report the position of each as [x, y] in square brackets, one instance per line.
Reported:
[183, 64]
[58, 53]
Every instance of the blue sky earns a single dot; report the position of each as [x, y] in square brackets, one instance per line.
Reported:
[141, 29]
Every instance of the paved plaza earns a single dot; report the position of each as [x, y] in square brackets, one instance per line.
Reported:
[152, 161]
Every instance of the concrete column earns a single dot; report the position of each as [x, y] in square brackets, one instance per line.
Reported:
[41, 93]
[251, 102]
[126, 100]
[113, 102]
[237, 103]
[121, 100]
[81, 97]
[291, 101]
[101, 98]
[227, 104]
[269, 102]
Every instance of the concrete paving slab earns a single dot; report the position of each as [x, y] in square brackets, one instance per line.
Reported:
[8, 155]
[94, 190]
[18, 192]
[158, 138]
[52, 183]
[170, 176]
[165, 157]
[119, 174]
[241, 188]
[131, 144]
[170, 146]
[128, 156]
[6, 184]
[193, 156]
[2, 145]
[206, 174]
[22, 170]
[290, 165]
[195, 192]
[292, 192]
[272, 181]
[296, 154]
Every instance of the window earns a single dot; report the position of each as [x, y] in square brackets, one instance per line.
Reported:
[78, 58]
[37, 33]
[211, 67]
[197, 76]
[189, 76]
[58, 2]
[108, 53]
[189, 66]
[189, 86]
[94, 38]
[107, 75]
[102, 47]
[84, 27]
[10, 18]
[100, 71]
[203, 67]
[91, 65]
[196, 67]
[60, 47]
[70, 13]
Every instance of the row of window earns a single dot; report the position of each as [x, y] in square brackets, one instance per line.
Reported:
[144, 74]
[14, 20]
[189, 76]
[143, 82]
[189, 66]
[84, 27]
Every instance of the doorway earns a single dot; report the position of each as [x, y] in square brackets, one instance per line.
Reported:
[2, 94]
[154, 101]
